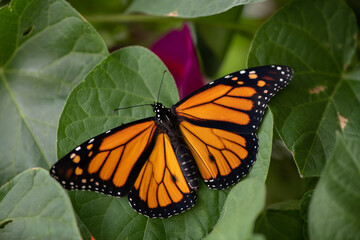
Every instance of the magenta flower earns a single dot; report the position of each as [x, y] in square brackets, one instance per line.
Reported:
[177, 51]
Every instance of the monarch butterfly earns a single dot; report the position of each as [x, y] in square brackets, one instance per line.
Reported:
[156, 161]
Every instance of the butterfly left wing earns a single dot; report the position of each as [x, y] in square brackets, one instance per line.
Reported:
[161, 189]
[235, 102]
[110, 162]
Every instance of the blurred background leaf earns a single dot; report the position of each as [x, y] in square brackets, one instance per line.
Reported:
[185, 8]
[281, 221]
[44, 45]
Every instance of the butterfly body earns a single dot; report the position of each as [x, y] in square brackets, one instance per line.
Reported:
[168, 123]
[157, 161]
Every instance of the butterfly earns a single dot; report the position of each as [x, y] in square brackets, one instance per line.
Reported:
[157, 161]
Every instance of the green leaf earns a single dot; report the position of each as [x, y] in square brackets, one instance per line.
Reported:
[185, 8]
[304, 204]
[33, 206]
[304, 211]
[265, 136]
[46, 48]
[318, 40]
[128, 77]
[335, 207]
[243, 204]
[281, 221]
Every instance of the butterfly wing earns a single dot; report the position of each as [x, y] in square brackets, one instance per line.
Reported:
[235, 102]
[110, 162]
[222, 157]
[161, 190]
[218, 121]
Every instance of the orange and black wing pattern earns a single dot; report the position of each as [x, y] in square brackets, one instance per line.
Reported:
[110, 162]
[161, 189]
[218, 121]
[156, 161]
[222, 157]
[235, 102]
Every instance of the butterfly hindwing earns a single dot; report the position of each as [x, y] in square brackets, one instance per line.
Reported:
[222, 157]
[110, 162]
[235, 102]
[161, 189]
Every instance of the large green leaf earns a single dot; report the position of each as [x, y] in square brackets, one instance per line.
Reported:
[129, 77]
[243, 204]
[33, 206]
[46, 48]
[318, 40]
[335, 207]
[185, 8]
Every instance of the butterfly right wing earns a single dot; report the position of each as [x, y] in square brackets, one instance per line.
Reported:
[110, 162]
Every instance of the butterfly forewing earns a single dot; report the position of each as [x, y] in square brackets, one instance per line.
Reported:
[110, 162]
[235, 102]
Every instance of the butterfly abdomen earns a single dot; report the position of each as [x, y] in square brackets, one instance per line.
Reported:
[186, 162]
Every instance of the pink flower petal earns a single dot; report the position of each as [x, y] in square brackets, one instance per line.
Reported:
[178, 53]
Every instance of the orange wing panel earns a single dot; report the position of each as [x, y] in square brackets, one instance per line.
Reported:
[238, 103]
[111, 163]
[124, 136]
[242, 92]
[97, 161]
[211, 94]
[211, 111]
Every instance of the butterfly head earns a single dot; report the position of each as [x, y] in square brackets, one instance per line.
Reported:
[158, 109]
[163, 115]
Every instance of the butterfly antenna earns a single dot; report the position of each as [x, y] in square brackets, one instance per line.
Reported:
[122, 108]
[162, 80]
